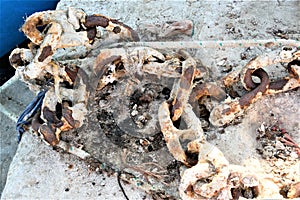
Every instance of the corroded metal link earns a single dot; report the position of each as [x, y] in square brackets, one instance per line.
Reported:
[111, 25]
[250, 97]
[208, 155]
[227, 111]
[185, 87]
[132, 60]
[207, 89]
[64, 29]
[287, 83]
[230, 109]
[69, 20]
[96, 20]
[286, 55]
[172, 135]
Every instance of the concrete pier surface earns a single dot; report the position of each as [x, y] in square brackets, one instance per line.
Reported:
[34, 170]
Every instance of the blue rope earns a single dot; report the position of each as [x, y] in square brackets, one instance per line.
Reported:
[29, 112]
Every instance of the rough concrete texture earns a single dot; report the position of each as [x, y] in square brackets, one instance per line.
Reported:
[14, 96]
[8, 146]
[38, 171]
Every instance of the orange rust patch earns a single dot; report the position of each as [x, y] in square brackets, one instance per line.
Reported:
[185, 86]
[207, 89]
[48, 132]
[29, 28]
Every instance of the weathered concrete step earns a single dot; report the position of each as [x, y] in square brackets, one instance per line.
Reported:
[14, 96]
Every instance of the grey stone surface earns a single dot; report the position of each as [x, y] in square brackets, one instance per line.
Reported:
[8, 147]
[39, 172]
[14, 96]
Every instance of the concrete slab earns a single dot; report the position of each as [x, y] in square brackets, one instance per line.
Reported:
[39, 172]
[14, 96]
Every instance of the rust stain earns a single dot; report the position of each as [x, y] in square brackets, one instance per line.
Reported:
[133, 33]
[47, 51]
[51, 117]
[48, 133]
[278, 85]
[67, 114]
[72, 73]
[16, 59]
[91, 33]
[250, 97]
[35, 123]
[101, 62]
[248, 79]
[96, 20]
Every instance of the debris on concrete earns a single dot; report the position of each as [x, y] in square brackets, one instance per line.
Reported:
[123, 135]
